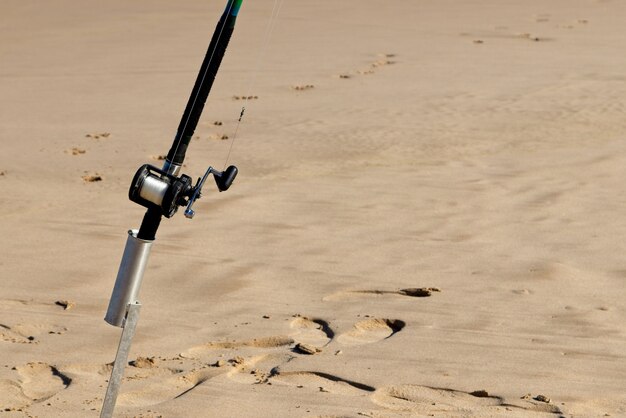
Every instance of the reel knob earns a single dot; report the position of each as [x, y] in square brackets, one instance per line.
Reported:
[226, 178]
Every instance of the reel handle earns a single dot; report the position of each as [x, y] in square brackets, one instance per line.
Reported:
[223, 179]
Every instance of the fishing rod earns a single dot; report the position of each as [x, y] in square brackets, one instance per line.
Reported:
[161, 191]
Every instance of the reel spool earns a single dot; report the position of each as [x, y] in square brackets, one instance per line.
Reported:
[154, 188]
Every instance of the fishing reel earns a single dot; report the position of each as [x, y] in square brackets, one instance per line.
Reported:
[154, 188]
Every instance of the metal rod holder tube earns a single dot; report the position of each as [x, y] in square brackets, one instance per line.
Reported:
[129, 276]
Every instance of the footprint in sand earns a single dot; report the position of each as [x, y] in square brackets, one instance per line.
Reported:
[98, 135]
[28, 333]
[216, 136]
[502, 34]
[91, 178]
[257, 369]
[383, 59]
[161, 384]
[425, 400]
[11, 335]
[371, 331]
[302, 87]
[11, 396]
[150, 380]
[531, 37]
[244, 364]
[311, 331]
[321, 382]
[418, 292]
[76, 151]
[245, 97]
[37, 382]
[209, 350]
[41, 381]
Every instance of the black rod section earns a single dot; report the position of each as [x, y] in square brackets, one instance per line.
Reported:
[150, 224]
[204, 82]
[195, 104]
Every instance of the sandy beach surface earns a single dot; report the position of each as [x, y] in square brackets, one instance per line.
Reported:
[429, 220]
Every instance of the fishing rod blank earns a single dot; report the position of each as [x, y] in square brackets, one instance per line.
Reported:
[162, 191]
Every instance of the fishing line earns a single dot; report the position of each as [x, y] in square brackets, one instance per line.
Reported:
[256, 67]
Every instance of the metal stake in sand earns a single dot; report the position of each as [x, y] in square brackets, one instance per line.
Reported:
[121, 358]
[162, 191]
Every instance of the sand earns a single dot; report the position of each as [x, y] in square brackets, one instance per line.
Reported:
[428, 220]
